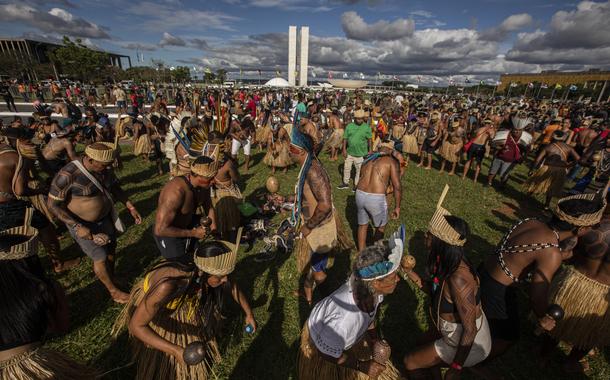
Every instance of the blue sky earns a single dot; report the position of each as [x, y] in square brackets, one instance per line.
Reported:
[431, 39]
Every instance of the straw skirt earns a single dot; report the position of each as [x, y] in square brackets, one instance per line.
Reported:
[44, 364]
[586, 323]
[546, 179]
[312, 366]
[409, 144]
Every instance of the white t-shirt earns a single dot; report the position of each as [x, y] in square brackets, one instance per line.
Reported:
[119, 94]
[336, 323]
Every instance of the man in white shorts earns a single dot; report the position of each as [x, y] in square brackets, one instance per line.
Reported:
[242, 135]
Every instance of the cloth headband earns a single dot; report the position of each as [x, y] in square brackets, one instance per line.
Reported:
[386, 267]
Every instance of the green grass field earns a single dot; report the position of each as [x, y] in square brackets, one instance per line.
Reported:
[271, 352]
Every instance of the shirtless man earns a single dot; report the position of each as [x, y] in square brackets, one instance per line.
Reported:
[309, 127]
[477, 149]
[14, 184]
[88, 211]
[242, 135]
[177, 227]
[432, 141]
[582, 140]
[584, 325]
[533, 248]
[59, 149]
[336, 140]
[550, 177]
[315, 209]
[379, 171]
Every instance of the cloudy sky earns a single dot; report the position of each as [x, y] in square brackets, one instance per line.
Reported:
[479, 39]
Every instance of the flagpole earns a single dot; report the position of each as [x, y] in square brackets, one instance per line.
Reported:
[478, 85]
[553, 93]
[539, 89]
[525, 93]
[510, 88]
[494, 91]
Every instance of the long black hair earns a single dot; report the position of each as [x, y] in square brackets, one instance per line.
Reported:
[211, 300]
[445, 258]
[27, 301]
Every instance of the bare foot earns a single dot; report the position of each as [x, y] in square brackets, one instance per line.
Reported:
[301, 294]
[119, 297]
[451, 173]
[427, 168]
[66, 265]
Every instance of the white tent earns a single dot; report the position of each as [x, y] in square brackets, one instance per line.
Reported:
[278, 82]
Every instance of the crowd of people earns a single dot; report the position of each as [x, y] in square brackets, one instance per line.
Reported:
[174, 314]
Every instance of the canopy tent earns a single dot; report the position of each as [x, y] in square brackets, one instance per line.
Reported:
[278, 82]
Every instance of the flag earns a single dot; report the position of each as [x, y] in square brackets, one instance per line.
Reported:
[451, 82]
[330, 75]
[395, 77]
[530, 85]
[544, 85]
[573, 87]
[558, 86]
[344, 75]
[434, 81]
[482, 83]
[278, 72]
[514, 84]
[259, 72]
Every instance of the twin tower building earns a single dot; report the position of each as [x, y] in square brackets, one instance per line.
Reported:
[292, 55]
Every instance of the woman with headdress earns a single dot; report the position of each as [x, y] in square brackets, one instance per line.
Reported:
[278, 144]
[461, 338]
[177, 304]
[339, 339]
[31, 305]
[451, 149]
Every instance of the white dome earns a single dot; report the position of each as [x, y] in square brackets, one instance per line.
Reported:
[278, 82]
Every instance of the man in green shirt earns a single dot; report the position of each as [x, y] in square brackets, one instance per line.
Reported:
[356, 144]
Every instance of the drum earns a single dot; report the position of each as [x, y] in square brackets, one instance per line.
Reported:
[500, 138]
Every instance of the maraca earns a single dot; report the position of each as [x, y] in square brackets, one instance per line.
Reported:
[249, 329]
[272, 185]
[194, 353]
[205, 221]
[554, 311]
[407, 263]
[381, 352]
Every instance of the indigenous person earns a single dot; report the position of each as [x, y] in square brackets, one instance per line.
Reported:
[60, 149]
[461, 338]
[225, 192]
[335, 141]
[242, 135]
[475, 148]
[409, 141]
[432, 140]
[278, 145]
[339, 338]
[142, 141]
[177, 304]
[380, 171]
[551, 168]
[82, 196]
[451, 148]
[356, 145]
[509, 152]
[177, 227]
[530, 246]
[583, 290]
[32, 305]
[313, 213]
[16, 196]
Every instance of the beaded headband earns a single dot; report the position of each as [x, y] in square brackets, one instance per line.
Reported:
[439, 226]
[220, 265]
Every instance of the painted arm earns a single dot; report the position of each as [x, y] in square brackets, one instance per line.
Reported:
[319, 182]
[241, 299]
[170, 201]
[395, 178]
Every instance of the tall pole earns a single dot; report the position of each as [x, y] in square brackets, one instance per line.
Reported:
[601, 94]
[478, 85]
[510, 88]
[494, 91]
[539, 89]
[553, 93]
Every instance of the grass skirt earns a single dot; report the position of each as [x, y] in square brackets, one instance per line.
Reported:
[142, 146]
[225, 201]
[409, 144]
[44, 364]
[586, 323]
[181, 327]
[398, 131]
[545, 179]
[336, 139]
[303, 250]
[312, 366]
[262, 134]
[279, 156]
[451, 152]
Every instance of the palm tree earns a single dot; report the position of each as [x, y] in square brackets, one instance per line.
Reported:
[221, 75]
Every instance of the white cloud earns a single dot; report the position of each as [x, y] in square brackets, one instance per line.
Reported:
[57, 20]
[356, 28]
[510, 24]
[171, 40]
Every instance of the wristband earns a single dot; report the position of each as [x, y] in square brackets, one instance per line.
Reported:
[456, 366]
